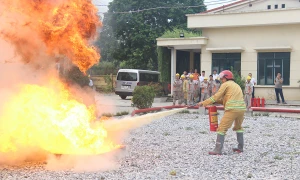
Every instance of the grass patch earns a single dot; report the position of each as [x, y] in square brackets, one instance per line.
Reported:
[268, 135]
[246, 127]
[184, 112]
[108, 114]
[203, 132]
[173, 173]
[122, 113]
[166, 134]
[266, 114]
[249, 175]
[278, 157]
[188, 128]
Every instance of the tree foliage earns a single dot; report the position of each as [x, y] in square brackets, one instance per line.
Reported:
[241, 81]
[130, 38]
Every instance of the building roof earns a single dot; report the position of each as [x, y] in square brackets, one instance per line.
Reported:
[225, 6]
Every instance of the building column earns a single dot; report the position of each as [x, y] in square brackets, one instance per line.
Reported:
[173, 68]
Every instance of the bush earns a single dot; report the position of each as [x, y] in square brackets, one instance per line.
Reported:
[143, 97]
[238, 79]
[74, 75]
[158, 89]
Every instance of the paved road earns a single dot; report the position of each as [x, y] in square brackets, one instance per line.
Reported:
[111, 103]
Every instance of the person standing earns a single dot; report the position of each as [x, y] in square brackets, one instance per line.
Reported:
[185, 88]
[215, 75]
[231, 96]
[190, 90]
[253, 81]
[201, 79]
[248, 92]
[278, 88]
[177, 90]
[204, 89]
[210, 85]
[216, 86]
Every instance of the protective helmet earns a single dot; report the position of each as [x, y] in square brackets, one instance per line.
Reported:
[226, 74]
[249, 78]
[191, 76]
[177, 75]
[182, 76]
[205, 78]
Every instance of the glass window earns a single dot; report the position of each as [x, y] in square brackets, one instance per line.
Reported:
[269, 6]
[282, 5]
[276, 6]
[224, 61]
[146, 77]
[127, 76]
[269, 64]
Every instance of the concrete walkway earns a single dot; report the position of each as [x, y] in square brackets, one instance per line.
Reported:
[111, 103]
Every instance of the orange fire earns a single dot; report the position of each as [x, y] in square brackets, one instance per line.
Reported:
[58, 27]
[46, 116]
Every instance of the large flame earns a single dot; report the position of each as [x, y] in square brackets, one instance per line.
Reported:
[59, 27]
[48, 118]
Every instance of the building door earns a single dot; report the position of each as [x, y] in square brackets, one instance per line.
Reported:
[182, 61]
[197, 61]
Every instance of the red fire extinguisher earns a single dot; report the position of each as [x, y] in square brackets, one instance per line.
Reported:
[253, 101]
[213, 118]
[258, 102]
[263, 101]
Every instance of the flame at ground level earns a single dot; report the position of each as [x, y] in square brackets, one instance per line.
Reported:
[49, 119]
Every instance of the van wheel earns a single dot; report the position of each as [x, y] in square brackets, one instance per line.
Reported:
[123, 97]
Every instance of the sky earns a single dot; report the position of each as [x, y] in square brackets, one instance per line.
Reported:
[216, 3]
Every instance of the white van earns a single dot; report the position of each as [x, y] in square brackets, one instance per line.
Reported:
[128, 79]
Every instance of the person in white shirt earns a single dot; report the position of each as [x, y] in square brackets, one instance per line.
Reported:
[253, 81]
[201, 78]
[215, 75]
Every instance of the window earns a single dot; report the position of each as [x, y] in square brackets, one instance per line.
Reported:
[276, 6]
[269, 64]
[269, 6]
[127, 76]
[224, 61]
[146, 77]
[282, 5]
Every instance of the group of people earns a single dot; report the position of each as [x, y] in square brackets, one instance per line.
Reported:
[192, 88]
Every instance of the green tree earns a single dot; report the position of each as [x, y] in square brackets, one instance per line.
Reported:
[130, 38]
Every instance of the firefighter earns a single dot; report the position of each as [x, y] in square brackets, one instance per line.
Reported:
[204, 89]
[177, 90]
[185, 88]
[190, 90]
[215, 86]
[248, 92]
[196, 91]
[183, 93]
[210, 83]
[231, 96]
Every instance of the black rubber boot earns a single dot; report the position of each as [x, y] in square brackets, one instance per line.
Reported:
[240, 140]
[219, 145]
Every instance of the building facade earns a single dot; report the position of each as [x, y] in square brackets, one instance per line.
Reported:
[261, 37]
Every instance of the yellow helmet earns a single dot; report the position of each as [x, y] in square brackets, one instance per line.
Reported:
[191, 76]
[177, 75]
[205, 78]
[248, 78]
[182, 76]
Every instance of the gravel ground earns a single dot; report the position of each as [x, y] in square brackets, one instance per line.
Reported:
[179, 144]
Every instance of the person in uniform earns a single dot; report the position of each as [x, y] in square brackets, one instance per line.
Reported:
[177, 89]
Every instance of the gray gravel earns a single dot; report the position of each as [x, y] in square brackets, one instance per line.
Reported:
[180, 144]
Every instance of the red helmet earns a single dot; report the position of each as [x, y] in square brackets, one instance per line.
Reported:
[226, 74]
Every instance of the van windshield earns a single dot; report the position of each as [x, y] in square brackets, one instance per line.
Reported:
[146, 77]
[127, 76]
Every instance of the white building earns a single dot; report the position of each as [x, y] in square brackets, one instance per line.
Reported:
[257, 36]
